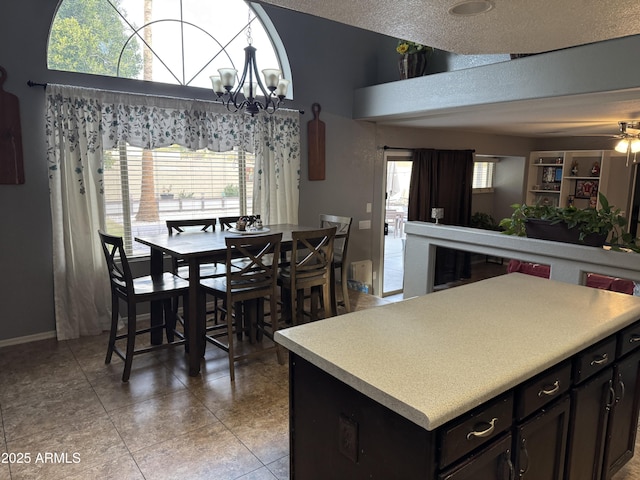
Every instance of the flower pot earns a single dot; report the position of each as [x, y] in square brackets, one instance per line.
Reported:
[412, 65]
[560, 232]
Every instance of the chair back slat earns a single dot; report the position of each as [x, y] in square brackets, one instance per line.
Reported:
[120, 275]
[205, 224]
[227, 223]
[252, 262]
[343, 228]
[312, 256]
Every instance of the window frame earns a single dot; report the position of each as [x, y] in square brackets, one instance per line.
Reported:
[488, 186]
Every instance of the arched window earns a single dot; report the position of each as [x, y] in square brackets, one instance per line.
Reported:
[179, 42]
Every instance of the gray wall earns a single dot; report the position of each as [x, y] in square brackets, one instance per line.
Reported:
[328, 62]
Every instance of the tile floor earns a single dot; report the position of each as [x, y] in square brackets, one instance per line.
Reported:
[60, 398]
[66, 409]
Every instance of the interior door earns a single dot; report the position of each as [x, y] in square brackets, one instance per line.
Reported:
[396, 204]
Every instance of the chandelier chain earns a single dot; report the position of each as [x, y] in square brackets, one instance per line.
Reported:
[249, 38]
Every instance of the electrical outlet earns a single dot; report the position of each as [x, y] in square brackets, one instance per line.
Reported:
[348, 438]
[364, 224]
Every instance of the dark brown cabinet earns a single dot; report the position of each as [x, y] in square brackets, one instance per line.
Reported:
[590, 405]
[621, 431]
[575, 421]
[492, 463]
[540, 443]
[604, 408]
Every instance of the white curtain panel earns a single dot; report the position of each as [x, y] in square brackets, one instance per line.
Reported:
[81, 122]
[74, 154]
[277, 170]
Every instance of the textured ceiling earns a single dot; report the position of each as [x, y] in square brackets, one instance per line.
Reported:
[511, 26]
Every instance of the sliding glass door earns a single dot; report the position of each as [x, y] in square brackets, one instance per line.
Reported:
[398, 175]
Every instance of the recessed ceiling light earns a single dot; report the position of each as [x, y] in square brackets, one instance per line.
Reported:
[471, 7]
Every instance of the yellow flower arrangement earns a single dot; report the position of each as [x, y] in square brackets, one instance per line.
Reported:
[405, 46]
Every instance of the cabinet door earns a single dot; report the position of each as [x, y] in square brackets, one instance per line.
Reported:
[492, 463]
[540, 443]
[623, 422]
[590, 405]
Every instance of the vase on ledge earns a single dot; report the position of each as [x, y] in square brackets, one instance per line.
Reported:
[412, 65]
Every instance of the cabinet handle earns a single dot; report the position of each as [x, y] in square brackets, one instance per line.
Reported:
[622, 389]
[634, 338]
[604, 358]
[612, 397]
[507, 456]
[525, 456]
[483, 433]
[552, 391]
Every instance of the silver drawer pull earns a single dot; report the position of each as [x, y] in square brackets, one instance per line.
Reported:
[483, 433]
[634, 338]
[604, 358]
[552, 391]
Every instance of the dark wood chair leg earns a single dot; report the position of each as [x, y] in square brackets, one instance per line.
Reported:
[115, 308]
[170, 320]
[131, 341]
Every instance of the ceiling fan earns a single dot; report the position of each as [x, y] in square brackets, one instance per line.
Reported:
[629, 139]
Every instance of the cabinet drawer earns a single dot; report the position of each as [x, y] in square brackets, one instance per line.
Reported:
[474, 429]
[594, 359]
[494, 461]
[542, 389]
[628, 339]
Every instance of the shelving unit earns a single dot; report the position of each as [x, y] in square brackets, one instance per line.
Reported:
[561, 178]
[544, 180]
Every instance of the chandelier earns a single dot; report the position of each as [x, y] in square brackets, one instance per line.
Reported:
[250, 94]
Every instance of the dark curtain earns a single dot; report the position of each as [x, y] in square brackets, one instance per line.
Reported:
[443, 178]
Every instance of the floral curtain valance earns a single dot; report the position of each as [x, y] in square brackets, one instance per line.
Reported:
[151, 122]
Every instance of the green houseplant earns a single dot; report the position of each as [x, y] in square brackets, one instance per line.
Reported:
[589, 226]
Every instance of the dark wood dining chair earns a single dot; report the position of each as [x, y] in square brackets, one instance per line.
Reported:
[251, 276]
[209, 268]
[133, 291]
[309, 268]
[340, 246]
[227, 223]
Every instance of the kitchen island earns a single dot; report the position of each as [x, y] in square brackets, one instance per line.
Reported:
[448, 384]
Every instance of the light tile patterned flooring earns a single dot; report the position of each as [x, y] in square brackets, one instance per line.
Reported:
[60, 398]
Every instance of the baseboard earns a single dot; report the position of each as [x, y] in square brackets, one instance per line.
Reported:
[28, 339]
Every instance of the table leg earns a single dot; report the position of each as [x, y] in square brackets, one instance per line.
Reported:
[156, 269]
[196, 323]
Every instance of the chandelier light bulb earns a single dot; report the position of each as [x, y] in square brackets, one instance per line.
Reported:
[622, 146]
[228, 77]
[216, 84]
[271, 78]
[635, 145]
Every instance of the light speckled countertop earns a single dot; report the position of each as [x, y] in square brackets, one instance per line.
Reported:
[435, 357]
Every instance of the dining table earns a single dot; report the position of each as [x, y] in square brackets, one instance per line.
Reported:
[195, 248]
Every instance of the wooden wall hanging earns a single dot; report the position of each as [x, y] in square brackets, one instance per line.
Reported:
[315, 134]
[11, 164]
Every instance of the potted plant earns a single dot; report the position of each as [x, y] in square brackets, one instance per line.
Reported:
[484, 221]
[413, 58]
[166, 193]
[587, 226]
